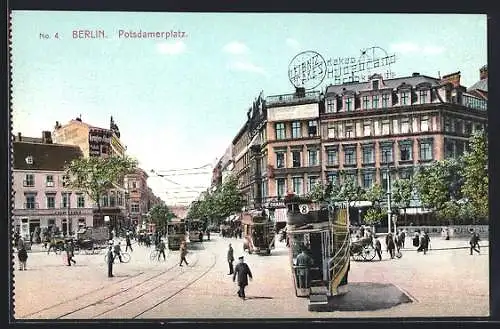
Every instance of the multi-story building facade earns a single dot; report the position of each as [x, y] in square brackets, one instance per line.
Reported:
[102, 142]
[41, 199]
[138, 196]
[369, 132]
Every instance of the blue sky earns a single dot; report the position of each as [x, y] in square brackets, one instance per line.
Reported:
[179, 102]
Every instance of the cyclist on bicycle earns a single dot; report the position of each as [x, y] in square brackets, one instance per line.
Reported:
[117, 250]
[161, 249]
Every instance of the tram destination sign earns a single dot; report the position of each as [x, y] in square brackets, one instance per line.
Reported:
[309, 69]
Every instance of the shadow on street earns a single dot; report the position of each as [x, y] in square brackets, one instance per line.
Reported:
[368, 296]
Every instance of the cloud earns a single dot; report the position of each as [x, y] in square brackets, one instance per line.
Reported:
[410, 47]
[235, 48]
[292, 43]
[247, 66]
[172, 48]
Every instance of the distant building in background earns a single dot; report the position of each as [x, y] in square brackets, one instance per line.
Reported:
[41, 199]
[138, 203]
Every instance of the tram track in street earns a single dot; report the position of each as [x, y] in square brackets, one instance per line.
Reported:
[121, 292]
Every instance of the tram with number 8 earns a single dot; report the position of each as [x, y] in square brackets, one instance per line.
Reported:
[319, 248]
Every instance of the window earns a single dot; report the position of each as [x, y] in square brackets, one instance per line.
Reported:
[367, 128]
[386, 154]
[134, 184]
[280, 187]
[375, 102]
[331, 157]
[449, 150]
[331, 132]
[112, 200]
[263, 189]
[385, 100]
[350, 156]
[385, 180]
[423, 96]
[426, 150]
[313, 128]
[80, 201]
[468, 128]
[119, 199]
[424, 123]
[66, 200]
[104, 201]
[30, 202]
[366, 102]
[297, 185]
[313, 157]
[280, 131]
[349, 131]
[51, 201]
[459, 127]
[280, 159]
[405, 173]
[296, 159]
[479, 127]
[49, 181]
[386, 127]
[330, 105]
[368, 155]
[348, 104]
[29, 180]
[296, 133]
[134, 208]
[367, 180]
[349, 177]
[405, 126]
[405, 152]
[375, 84]
[405, 98]
[311, 182]
[332, 177]
[447, 125]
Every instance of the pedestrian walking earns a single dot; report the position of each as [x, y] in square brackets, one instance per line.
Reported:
[242, 271]
[117, 250]
[402, 238]
[391, 245]
[70, 252]
[305, 262]
[416, 239]
[424, 243]
[22, 255]
[378, 248]
[208, 234]
[230, 259]
[111, 259]
[183, 250]
[474, 242]
[161, 249]
[129, 243]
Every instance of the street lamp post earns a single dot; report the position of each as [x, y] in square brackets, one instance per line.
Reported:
[107, 221]
[388, 193]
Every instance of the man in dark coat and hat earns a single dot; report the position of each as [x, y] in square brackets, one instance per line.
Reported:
[243, 272]
[230, 259]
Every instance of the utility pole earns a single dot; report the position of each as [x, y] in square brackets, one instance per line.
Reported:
[388, 194]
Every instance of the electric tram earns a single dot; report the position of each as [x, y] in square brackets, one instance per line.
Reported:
[321, 232]
[195, 228]
[176, 233]
[258, 232]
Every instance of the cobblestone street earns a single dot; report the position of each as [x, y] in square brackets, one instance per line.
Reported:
[435, 283]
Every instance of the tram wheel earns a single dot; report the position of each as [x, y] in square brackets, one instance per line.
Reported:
[369, 253]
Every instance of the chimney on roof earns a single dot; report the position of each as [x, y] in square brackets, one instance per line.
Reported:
[415, 74]
[483, 73]
[19, 137]
[300, 92]
[46, 137]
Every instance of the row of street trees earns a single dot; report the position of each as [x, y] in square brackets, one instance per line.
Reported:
[456, 190]
[219, 204]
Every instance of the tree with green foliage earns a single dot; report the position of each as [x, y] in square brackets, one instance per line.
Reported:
[374, 215]
[161, 215]
[475, 172]
[402, 193]
[96, 176]
[229, 198]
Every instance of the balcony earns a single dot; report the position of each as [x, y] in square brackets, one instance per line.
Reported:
[31, 205]
[28, 183]
[289, 99]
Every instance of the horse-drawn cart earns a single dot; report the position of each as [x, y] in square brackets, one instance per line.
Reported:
[363, 249]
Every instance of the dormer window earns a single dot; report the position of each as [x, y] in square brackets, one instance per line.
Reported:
[29, 160]
[375, 84]
[422, 96]
[349, 103]
[405, 98]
